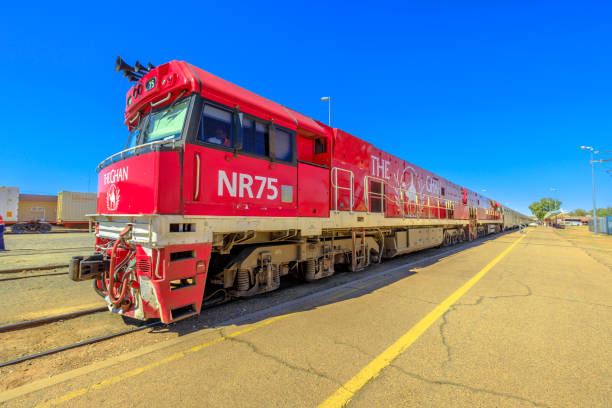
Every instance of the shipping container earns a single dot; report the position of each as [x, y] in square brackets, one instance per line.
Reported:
[73, 206]
[37, 207]
[9, 203]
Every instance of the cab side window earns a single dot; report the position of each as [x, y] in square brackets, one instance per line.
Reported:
[224, 127]
[283, 146]
[255, 137]
[319, 146]
[216, 126]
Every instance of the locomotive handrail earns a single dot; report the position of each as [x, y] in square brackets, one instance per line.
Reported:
[391, 198]
[154, 104]
[197, 186]
[334, 182]
[134, 148]
[367, 193]
[448, 204]
[136, 116]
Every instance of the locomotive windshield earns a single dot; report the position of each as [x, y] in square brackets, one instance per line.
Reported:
[164, 124]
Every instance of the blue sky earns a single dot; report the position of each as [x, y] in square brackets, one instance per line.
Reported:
[495, 97]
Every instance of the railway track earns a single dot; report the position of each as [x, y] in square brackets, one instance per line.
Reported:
[9, 272]
[38, 322]
[51, 319]
[33, 276]
[78, 344]
[33, 268]
[26, 252]
[39, 251]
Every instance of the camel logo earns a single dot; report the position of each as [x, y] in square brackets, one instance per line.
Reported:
[112, 198]
[408, 171]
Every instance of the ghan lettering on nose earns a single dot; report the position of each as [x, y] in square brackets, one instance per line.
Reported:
[245, 185]
[115, 175]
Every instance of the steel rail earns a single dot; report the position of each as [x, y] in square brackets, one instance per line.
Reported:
[33, 268]
[94, 340]
[38, 251]
[34, 276]
[50, 319]
[79, 344]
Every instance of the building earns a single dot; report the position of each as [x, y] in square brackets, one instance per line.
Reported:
[575, 219]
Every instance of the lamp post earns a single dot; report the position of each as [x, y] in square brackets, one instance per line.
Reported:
[593, 184]
[328, 99]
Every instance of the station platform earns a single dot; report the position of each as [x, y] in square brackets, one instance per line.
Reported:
[517, 320]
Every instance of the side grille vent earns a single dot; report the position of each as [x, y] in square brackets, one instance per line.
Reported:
[143, 266]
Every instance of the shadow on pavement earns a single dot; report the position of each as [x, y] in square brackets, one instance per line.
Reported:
[297, 296]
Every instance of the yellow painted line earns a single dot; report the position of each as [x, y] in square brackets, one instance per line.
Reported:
[140, 370]
[344, 394]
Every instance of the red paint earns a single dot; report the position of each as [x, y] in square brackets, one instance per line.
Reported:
[345, 151]
[167, 270]
[144, 184]
[209, 200]
[402, 180]
[159, 271]
[313, 191]
[172, 78]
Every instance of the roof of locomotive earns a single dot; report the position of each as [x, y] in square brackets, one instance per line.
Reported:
[193, 79]
[225, 92]
[175, 77]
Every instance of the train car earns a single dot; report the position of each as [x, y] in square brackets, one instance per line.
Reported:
[72, 208]
[221, 192]
[514, 219]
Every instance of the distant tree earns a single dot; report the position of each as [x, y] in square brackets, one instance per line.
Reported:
[579, 212]
[542, 207]
[604, 212]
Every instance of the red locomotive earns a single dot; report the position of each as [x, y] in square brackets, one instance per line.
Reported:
[222, 192]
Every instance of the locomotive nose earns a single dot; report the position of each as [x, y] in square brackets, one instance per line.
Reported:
[147, 183]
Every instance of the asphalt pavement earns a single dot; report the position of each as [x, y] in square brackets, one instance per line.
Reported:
[519, 320]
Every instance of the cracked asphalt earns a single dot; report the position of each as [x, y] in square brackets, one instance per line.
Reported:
[536, 330]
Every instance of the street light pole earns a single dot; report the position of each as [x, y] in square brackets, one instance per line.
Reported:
[593, 186]
[328, 99]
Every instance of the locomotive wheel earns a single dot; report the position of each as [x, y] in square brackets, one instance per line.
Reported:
[447, 239]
